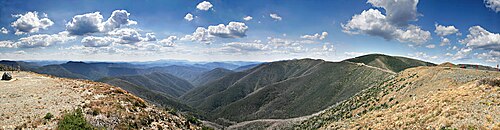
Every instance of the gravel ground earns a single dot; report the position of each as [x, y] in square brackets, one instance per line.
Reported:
[29, 97]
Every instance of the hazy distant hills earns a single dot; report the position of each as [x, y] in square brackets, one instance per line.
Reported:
[213, 65]
[184, 72]
[91, 71]
[245, 67]
[5, 68]
[22, 64]
[60, 71]
[393, 63]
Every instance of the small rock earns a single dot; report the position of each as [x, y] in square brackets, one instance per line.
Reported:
[6, 76]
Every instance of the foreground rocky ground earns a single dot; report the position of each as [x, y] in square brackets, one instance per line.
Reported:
[26, 100]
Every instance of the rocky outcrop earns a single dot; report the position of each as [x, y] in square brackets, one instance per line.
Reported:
[6, 76]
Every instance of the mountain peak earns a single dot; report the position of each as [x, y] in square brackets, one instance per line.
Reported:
[392, 63]
[75, 62]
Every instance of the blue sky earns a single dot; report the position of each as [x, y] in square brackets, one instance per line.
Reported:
[326, 29]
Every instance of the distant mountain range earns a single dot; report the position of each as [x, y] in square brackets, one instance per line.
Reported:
[158, 84]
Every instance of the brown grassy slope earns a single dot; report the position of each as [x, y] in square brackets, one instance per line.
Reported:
[30, 96]
[471, 105]
[417, 98]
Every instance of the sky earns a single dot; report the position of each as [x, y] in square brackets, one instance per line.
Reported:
[457, 31]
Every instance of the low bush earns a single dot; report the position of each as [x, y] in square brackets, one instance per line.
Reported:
[192, 119]
[74, 121]
[48, 116]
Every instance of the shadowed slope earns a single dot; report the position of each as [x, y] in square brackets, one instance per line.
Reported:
[210, 76]
[159, 82]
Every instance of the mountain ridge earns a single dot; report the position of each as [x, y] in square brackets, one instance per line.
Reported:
[265, 79]
[393, 63]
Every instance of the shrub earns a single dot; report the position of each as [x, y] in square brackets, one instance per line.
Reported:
[172, 111]
[490, 81]
[74, 121]
[48, 116]
[192, 119]
[96, 111]
[206, 128]
[384, 105]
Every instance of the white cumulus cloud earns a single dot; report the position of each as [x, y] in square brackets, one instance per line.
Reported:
[85, 23]
[93, 22]
[491, 56]
[7, 44]
[275, 17]
[493, 5]
[247, 18]
[30, 23]
[479, 37]
[444, 42]
[188, 17]
[445, 30]
[127, 36]
[413, 34]
[247, 46]
[423, 55]
[373, 22]
[43, 40]
[199, 35]
[117, 19]
[315, 36]
[206, 35]
[205, 5]
[431, 46]
[91, 41]
[4, 30]
[462, 54]
[232, 30]
[169, 41]
[150, 37]
[398, 12]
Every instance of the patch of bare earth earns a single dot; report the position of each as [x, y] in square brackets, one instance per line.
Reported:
[25, 100]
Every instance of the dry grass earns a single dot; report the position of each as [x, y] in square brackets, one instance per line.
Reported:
[439, 98]
[420, 98]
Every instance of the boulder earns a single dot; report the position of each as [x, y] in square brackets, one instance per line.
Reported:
[6, 76]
